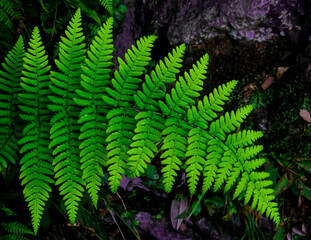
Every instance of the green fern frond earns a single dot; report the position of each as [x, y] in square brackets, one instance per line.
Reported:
[148, 129]
[176, 130]
[248, 152]
[16, 228]
[154, 86]
[10, 87]
[243, 138]
[108, 5]
[65, 131]
[126, 81]
[205, 110]
[36, 163]
[215, 151]
[174, 146]
[143, 147]
[9, 11]
[226, 124]
[186, 90]
[94, 79]
[197, 152]
[121, 118]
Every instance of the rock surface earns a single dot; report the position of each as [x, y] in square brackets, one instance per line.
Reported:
[184, 21]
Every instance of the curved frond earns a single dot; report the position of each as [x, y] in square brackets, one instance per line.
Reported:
[205, 110]
[36, 163]
[186, 90]
[243, 138]
[95, 78]
[65, 131]
[153, 89]
[197, 152]
[126, 81]
[148, 129]
[122, 120]
[108, 5]
[16, 228]
[10, 88]
[229, 122]
[174, 149]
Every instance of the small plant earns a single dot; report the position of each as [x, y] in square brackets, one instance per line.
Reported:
[78, 121]
[13, 230]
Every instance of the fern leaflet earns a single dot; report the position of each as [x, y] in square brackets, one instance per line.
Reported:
[122, 117]
[150, 124]
[65, 130]
[176, 130]
[95, 78]
[10, 86]
[36, 163]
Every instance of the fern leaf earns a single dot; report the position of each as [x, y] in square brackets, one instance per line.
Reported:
[95, 78]
[186, 89]
[108, 5]
[154, 86]
[248, 153]
[226, 124]
[10, 88]
[148, 129]
[120, 130]
[36, 164]
[122, 120]
[243, 138]
[174, 147]
[143, 147]
[9, 11]
[126, 80]
[205, 111]
[215, 151]
[197, 152]
[224, 169]
[16, 228]
[65, 131]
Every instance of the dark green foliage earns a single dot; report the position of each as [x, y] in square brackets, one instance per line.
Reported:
[108, 4]
[148, 128]
[12, 230]
[10, 88]
[94, 79]
[87, 122]
[36, 163]
[64, 124]
[121, 118]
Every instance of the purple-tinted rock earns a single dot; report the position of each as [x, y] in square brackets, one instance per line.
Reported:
[160, 228]
[184, 21]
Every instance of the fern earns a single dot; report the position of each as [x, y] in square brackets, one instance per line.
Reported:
[95, 78]
[176, 129]
[121, 118]
[150, 124]
[16, 229]
[10, 86]
[108, 4]
[36, 163]
[89, 123]
[64, 124]
[9, 11]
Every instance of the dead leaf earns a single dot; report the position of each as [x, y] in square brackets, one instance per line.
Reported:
[248, 91]
[305, 115]
[281, 71]
[177, 208]
[267, 83]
